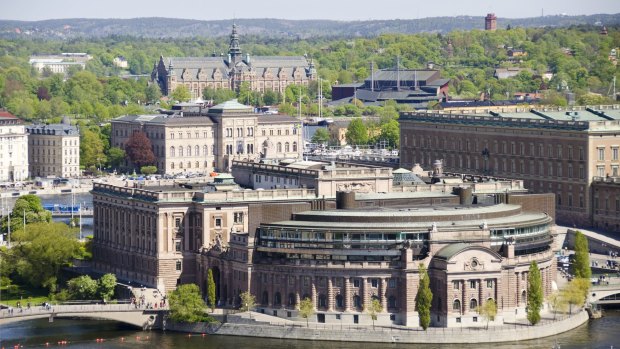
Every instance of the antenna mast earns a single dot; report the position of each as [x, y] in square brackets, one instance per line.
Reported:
[372, 76]
[398, 73]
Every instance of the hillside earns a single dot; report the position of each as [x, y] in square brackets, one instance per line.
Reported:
[277, 28]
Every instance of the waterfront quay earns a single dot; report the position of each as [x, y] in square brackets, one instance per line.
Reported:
[265, 326]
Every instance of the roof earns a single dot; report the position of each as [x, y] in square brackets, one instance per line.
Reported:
[276, 118]
[53, 129]
[404, 74]
[163, 119]
[454, 249]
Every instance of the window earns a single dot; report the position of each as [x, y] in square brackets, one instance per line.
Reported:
[295, 147]
[456, 285]
[177, 222]
[489, 283]
[456, 305]
[601, 154]
[581, 153]
[178, 265]
[475, 319]
[473, 304]
[238, 217]
[600, 171]
[172, 152]
[177, 246]
[614, 154]
[356, 282]
[218, 222]
[374, 283]
[279, 147]
[287, 147]
[392, 283]
[472, 284]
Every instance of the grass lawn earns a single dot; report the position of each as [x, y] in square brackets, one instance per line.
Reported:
[18, 293]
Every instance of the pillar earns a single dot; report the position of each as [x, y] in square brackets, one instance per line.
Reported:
[348, 297]
[383, 294]
[298, 290]
[313, 294]
[330, 294]
[366, 294]
[270, 290]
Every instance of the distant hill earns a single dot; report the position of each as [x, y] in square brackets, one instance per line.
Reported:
[154, 27]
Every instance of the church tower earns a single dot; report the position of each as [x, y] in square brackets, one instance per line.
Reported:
[234, 50]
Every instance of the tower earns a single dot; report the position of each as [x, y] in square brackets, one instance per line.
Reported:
[234, 50]
[490, 22]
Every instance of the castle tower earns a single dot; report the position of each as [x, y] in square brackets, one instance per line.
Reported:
[490, 22]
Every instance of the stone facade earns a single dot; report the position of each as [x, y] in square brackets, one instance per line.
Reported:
[606, 203]
[54, 150]
[262, 73]
[552, 151]
[205, 142]
[13, 148]
[342, 259]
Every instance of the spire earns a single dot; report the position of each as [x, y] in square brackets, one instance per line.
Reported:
[234, 50]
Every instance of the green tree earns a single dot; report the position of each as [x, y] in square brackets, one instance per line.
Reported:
[535, 295]
[390, 131]
[91, 149]
[152, 93]
[211, 289]
[248, 301]
[581, 262]
[116, 156]
[321, 136]
[374, 309]
[148, 170]
[488, 310]
[357, 133]
[424, 298]
[139, 150]
[186, 304]
[82, 287]
[306, 309]
[28, 207]
[181, 94]
[106, 285]
[573, 294]
[557, 303]
[41, 250]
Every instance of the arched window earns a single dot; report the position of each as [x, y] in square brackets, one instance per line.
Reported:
[180, 163]
[523, 296]
[279, 147]
[172, 152]
[181, 151]
[189, 150]
[339, 301]
[456, 305]
[291, 299]
[473, 304]
[294, 146]
[391, 302]
[287, 147]
[322, 301]
[205, 150]
[196, 151]
[197, 164]
[277, 299]
[172, 166]
[265, 299]
[357, 302]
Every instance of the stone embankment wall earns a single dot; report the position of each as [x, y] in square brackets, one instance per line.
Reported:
[505, 333]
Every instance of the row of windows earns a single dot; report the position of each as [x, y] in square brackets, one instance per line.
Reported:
[456, 284]
[187, 151]
[512, 148]
[249, 131]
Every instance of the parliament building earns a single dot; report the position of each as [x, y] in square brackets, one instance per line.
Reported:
[263, 73]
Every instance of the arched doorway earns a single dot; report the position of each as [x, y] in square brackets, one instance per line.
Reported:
[357, 302]
[339, 301]
[291, 300]
[265, 298]
[277, 299]
[322, 301]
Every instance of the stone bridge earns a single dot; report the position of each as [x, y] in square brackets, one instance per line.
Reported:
[125, 313]
[605, 294]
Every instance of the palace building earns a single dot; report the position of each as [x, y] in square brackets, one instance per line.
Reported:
[13, 148]
[262, 73]
[207, 141]
[551, 150]
[54, 150]
[477, 237]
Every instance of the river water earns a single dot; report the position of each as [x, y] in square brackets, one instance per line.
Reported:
[600, 333]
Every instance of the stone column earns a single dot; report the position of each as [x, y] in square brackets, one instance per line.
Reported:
[270, 290]
[383, 294]
[465, 305]
[348, 297]
[298, 291]
[313, 294]
[330, 294]
[366, 294]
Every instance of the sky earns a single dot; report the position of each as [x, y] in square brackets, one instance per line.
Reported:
[32, 10]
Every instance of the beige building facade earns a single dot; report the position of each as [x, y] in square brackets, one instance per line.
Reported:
[206, 142]
[552, 151]
[54, 150]
[13, 148]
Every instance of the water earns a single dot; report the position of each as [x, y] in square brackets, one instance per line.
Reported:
[601, 333]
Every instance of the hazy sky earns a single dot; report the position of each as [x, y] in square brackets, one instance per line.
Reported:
[30, 10]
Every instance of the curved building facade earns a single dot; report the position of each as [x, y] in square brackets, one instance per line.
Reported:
[344, 258]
